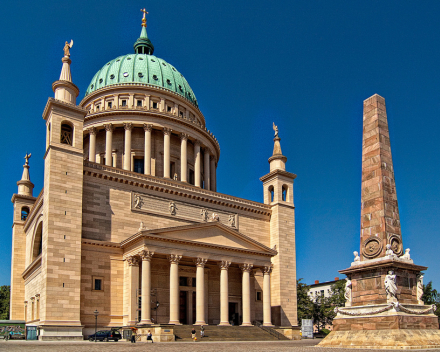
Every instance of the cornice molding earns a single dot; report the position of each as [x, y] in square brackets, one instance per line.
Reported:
[32, 267]
[52, 101]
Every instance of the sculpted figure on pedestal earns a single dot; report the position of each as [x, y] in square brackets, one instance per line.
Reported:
[406, 255]
[356, 256]
[275, 128]
[173, 208]
[389, 252]
[347, 294]
[390, 286]
[420, 288]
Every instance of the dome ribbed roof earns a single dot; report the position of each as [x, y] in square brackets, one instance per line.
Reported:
[144, 69]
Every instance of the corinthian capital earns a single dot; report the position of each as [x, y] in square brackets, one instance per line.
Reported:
[267, 269]
[146, 255]
[92, 131]
[148, 128]
[200, 261]
[108, 127]
[174, 258]
[224, 264]
[133, 260]
[167, 131]
[184, 136]
[246, 267]
[128, 126]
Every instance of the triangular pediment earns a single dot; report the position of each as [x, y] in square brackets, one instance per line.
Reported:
[213, 234]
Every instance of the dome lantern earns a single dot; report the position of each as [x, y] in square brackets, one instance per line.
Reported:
[143, 45]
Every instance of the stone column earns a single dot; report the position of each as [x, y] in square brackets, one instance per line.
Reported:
[197, 162]
[147, 149]
[224, 293]
[92, 144]
[200, 291]
[267, 315]
[206, 169]
[127, 146]
[133, 274]
[174, 288]
[146, 287]
[108, 144]
[184, 157]
[166, 152]
[246, 294]
[212, 169]
[37, 296]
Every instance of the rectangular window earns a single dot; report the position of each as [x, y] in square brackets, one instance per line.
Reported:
[172, 169]
[138, 165]
[109, 104]
[154, 105]
[258, 296]
[181, 113]
[124, 103]
[97, 284]
[322, 293]
[169, 108]
[139, 103]
[97, 107]
[191, 177]
[183, 281]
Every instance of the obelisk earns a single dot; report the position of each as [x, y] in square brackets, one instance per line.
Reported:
[384, 287]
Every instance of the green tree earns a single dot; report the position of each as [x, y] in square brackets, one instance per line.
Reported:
[4, 302]
[304, 303]
[431, 296]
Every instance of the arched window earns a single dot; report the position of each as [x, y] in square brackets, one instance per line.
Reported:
[284, 193]
[271, 193]
[24, 213]
[38, 243]
[66, 134]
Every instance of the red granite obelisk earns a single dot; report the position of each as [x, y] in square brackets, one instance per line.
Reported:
[380, 222]
[383, 306]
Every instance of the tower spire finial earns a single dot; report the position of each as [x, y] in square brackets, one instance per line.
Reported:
[25, 186]
[144, 19]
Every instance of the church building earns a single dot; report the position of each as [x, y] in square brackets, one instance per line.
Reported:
[129, 222]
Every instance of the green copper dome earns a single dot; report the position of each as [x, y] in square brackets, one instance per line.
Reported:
[142, 68]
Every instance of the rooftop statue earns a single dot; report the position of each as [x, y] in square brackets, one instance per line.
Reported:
[67, 48]
[275, 128]
[27, 157]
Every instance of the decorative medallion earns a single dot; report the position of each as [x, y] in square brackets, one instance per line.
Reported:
[372, 247]
[396, 244]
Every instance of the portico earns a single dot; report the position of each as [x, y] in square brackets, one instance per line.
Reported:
[198, 284]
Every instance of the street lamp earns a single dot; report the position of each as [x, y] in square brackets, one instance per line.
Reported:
[96, 321]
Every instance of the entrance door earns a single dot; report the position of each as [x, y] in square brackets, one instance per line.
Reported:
[183, 308]
[233, 313]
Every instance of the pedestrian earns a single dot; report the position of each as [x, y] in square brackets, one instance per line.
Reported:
[149, 336]
[193, 333]
[133, 335]
[202, 331]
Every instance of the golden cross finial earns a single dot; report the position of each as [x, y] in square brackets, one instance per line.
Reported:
[144, 20]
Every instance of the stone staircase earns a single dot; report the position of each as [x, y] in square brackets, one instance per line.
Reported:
[229, 333]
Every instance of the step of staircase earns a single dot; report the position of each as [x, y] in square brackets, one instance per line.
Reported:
[228, 333]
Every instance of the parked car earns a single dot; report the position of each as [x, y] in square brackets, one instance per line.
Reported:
[106, 335]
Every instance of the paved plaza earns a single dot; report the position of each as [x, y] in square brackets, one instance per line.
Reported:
[270, 346]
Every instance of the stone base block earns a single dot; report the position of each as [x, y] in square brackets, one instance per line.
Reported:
[383, 339]
[60, 333]
[159, 333]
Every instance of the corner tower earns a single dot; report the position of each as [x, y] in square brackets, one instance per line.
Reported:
[23, 201]
[278, 193]
[62, 210]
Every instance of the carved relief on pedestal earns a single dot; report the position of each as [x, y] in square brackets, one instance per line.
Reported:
[173, 208]
[231, 220]
[204, 214]
[372, 247]
[396, 244]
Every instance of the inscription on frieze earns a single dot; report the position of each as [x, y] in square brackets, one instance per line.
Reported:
[181, 210]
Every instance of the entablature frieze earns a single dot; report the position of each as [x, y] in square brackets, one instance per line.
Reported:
[175, 188]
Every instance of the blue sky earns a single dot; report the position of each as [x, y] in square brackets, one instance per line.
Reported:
[307, 65]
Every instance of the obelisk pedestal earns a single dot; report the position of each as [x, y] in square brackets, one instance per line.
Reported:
[384, 286]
